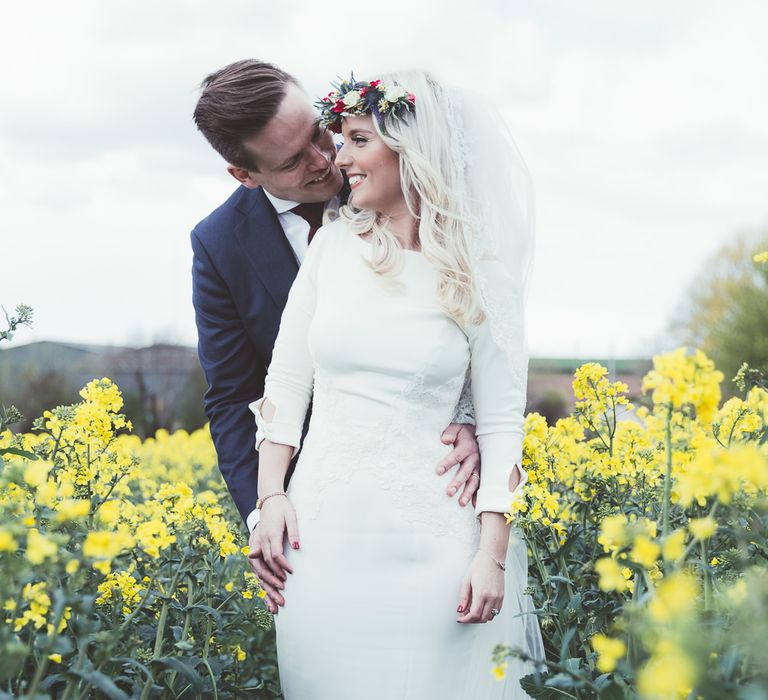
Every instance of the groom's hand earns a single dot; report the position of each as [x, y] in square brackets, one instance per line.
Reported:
[266, 557]
[466, 455]
[267, 580]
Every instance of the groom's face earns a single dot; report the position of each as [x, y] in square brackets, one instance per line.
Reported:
[294, 154]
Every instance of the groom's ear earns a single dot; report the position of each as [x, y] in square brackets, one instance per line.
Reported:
[244, 177]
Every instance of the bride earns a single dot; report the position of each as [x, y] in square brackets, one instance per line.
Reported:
[420, 283]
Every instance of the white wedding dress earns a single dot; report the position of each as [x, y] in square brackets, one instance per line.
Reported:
[370, 610]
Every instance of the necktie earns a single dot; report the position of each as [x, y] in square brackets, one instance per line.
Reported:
[312, 214]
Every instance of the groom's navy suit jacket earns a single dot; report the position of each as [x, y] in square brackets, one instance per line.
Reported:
[242, 269]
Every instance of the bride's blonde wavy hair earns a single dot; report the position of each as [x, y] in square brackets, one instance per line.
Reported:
[423, 143]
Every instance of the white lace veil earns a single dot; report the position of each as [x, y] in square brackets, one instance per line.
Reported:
[496, 199]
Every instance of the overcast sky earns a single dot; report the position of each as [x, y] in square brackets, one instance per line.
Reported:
[644, 124]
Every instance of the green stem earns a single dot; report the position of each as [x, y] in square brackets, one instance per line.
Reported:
[707, 577]
[633, 648]
[185, 630]
[161, 625]
[43, 667]
[667, 477]
[73, 682]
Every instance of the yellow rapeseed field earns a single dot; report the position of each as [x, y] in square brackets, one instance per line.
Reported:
[123, 572]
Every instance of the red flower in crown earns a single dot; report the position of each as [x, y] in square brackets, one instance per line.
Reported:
[355, 97]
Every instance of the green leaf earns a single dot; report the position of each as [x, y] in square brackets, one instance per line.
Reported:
[100, 681]
[183, 667]
[17, 452]
[567, 637]
[215, 614]
[561, 579]
[612, 691]
[573, 664]
[128, 661]
[536, 689]
[563, 680]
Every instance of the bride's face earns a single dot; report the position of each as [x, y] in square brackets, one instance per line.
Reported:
[372, 167]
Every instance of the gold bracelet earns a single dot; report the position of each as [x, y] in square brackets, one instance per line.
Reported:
[260, 501]
[499, 564]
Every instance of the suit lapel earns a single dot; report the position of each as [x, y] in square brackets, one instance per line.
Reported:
[265, 245]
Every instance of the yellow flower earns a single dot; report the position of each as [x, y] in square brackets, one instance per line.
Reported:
[702, 528]
[105, 545]
[611, 577]
[668, 674]
[103, 393]
[72, 509]
[723, 473]
[122, 587]
[109, 512]
[72, 566]
[675, 596]
[35, 596]
[674, 545]
[678, 379]
[609, 651]
[714, 561]
[7, 541]
[228, 587]
[761, 257]
[37, 472]
[645, 552]
[239, 653]
[500, 671]
[153, 536]
[56, 658]
[39, 547]
[612, 532]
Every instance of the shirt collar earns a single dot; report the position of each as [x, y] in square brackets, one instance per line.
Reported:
[281, 205]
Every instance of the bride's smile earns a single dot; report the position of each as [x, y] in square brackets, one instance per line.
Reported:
[372, 167]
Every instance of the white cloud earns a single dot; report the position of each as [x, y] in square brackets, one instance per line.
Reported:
[645, 127]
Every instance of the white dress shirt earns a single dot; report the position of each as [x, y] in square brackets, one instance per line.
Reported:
[295, 227]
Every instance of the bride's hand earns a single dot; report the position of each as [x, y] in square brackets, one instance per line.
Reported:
[267, 558]
[481, 589]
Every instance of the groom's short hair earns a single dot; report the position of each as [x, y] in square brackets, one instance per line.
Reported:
[236, 103]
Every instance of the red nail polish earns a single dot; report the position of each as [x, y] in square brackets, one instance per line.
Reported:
[460, 608]
[295, 545]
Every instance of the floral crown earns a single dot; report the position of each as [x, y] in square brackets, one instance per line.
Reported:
[355, 97]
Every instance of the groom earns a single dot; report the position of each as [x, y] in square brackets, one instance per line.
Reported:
[246, 254]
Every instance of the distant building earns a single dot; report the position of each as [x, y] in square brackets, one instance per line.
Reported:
[549, 378]
[163, 384]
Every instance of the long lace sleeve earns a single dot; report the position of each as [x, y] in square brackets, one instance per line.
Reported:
[289, 380]
[465, 409]
[499, 401]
